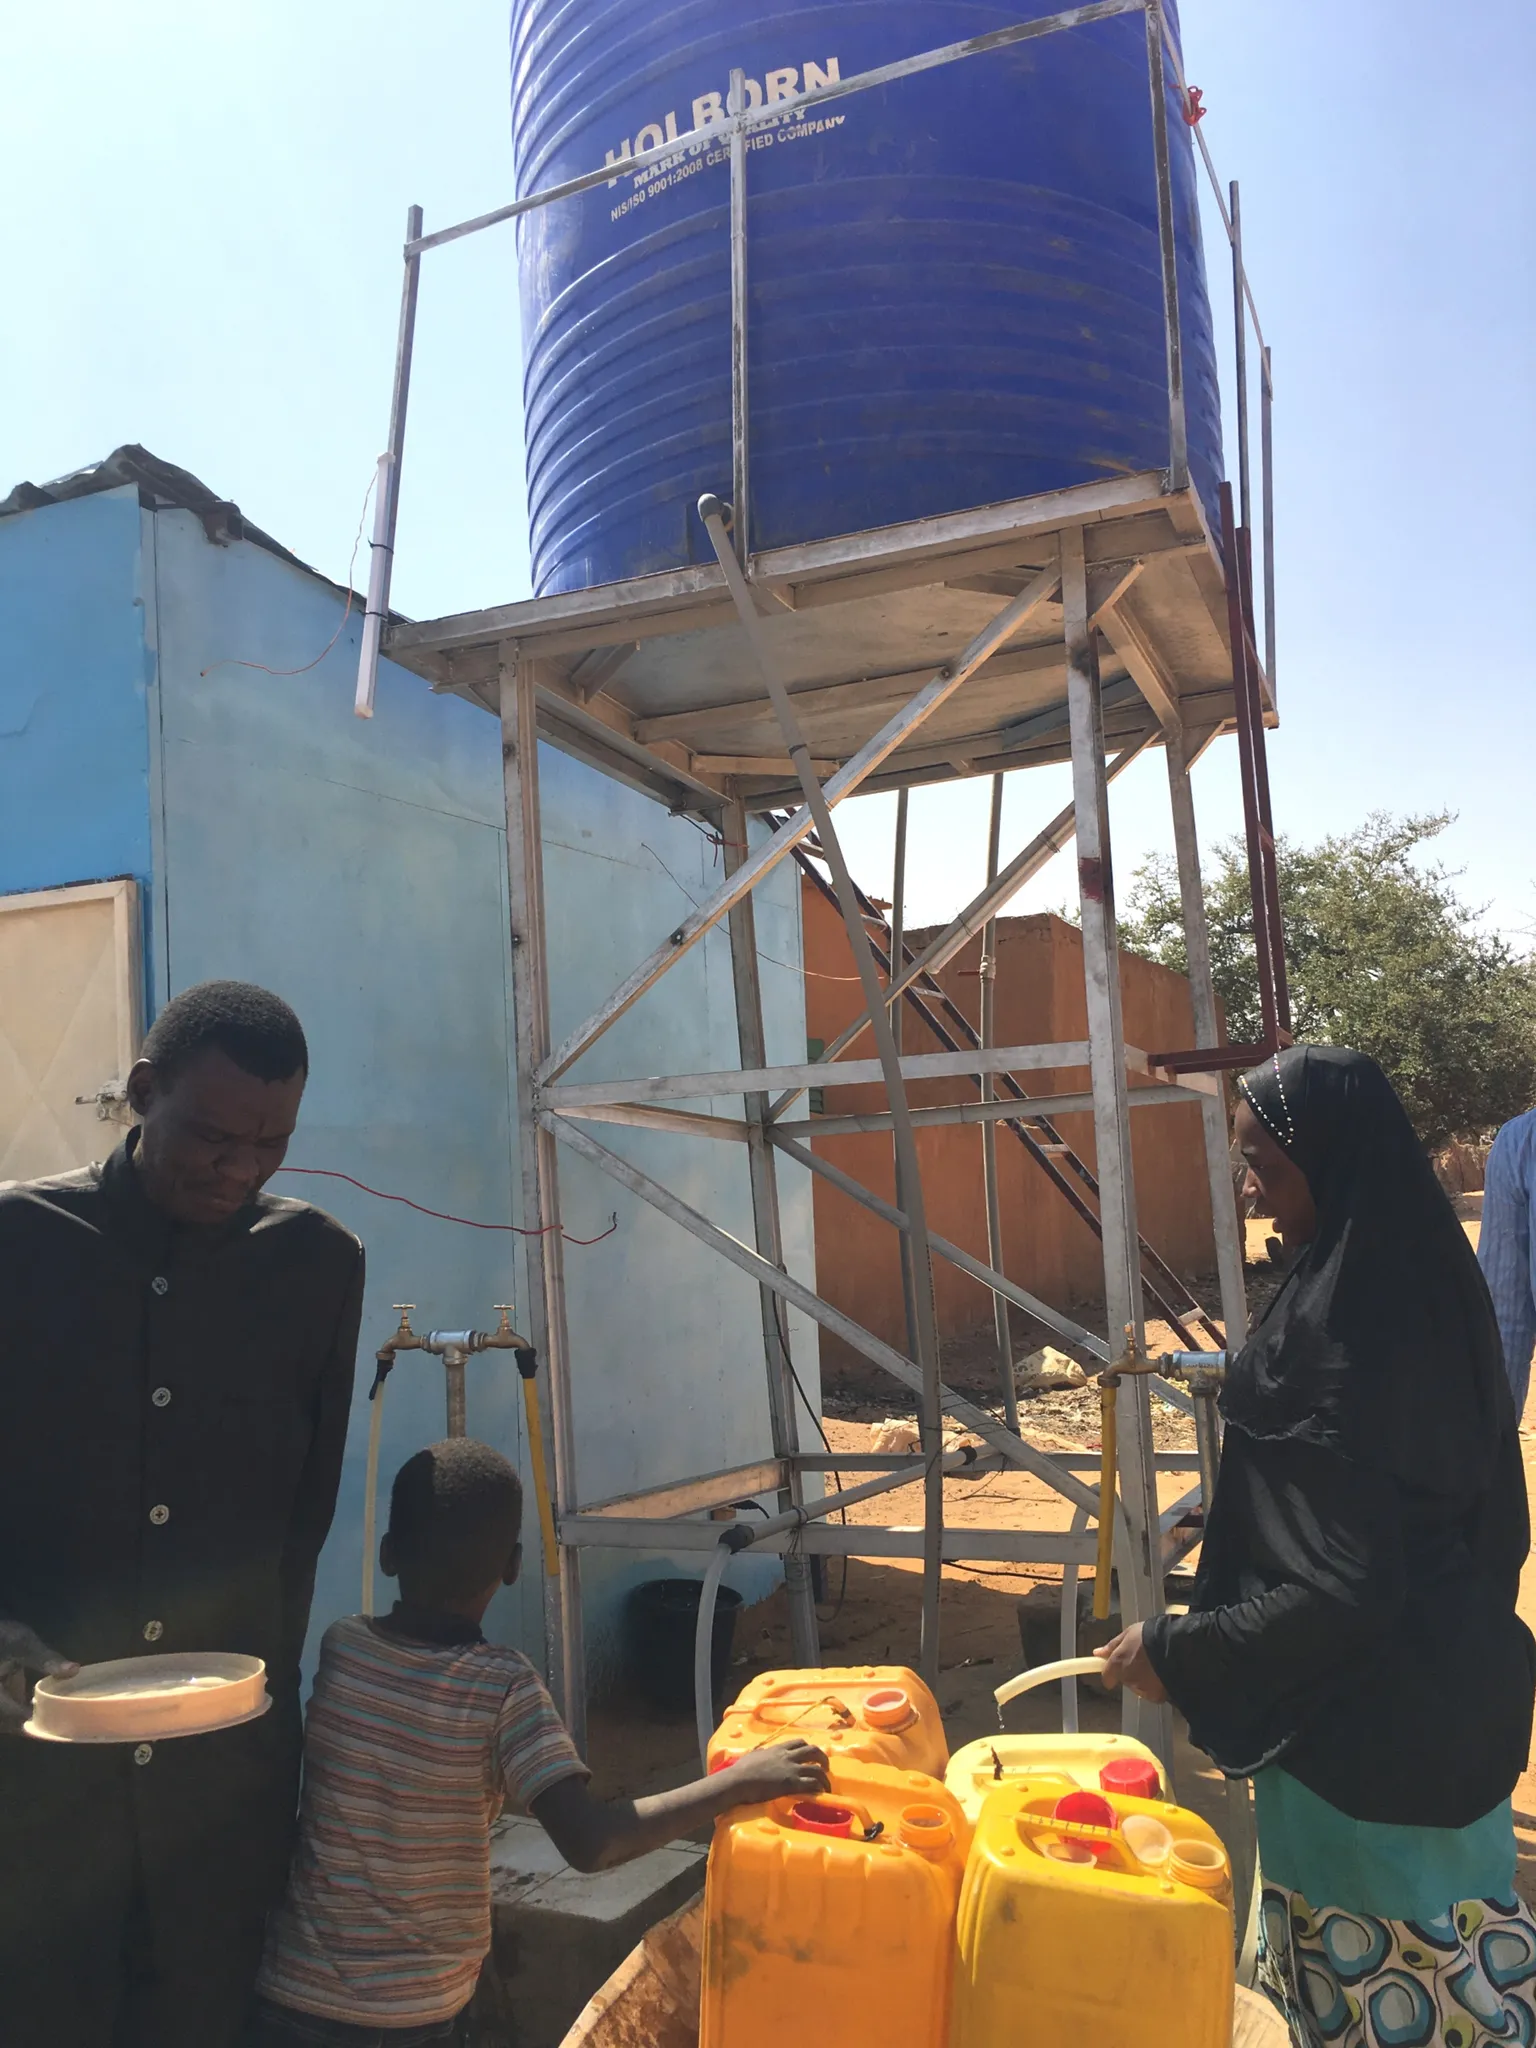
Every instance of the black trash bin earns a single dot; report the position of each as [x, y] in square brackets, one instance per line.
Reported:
[663, 1620]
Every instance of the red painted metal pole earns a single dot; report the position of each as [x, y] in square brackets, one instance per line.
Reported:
[1261, 788]
[1245, 705]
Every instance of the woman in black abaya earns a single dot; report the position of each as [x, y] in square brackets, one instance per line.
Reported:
[1352, 1644]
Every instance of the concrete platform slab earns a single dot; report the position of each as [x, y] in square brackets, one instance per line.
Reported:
[556, 1933]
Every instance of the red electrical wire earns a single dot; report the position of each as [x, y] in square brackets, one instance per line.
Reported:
[329, 1173]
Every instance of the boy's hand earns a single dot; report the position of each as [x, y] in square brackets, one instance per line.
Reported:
[596, 1834]
[784, 1770]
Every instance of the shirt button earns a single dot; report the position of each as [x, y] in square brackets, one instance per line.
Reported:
[161, 1397]
[153, 1631]
[159, 1514]
[143, 1753]
[160, 1284]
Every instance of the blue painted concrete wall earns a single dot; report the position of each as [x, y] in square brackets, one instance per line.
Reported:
[74, 685]
[147, 727]
[666, 1339]
[359, 868]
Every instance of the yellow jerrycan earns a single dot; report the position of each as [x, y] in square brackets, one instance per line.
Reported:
[1092, 1917]
[829, 1922]
[1086, 1763]
[870, 1713]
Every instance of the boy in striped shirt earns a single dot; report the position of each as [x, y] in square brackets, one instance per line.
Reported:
[418, 1732]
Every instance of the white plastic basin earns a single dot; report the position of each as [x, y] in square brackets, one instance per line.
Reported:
[148, 1699]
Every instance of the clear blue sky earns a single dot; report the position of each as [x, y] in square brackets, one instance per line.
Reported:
[204, 211]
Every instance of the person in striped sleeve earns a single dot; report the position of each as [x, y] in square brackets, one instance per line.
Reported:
[418, 1732]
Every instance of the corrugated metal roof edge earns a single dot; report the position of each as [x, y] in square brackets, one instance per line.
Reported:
[162, 485]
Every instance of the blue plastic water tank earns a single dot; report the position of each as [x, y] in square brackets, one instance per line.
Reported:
[954, 281]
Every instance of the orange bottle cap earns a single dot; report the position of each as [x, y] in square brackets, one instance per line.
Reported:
[928, 1828]
[888, 1708]
[1200, 1864]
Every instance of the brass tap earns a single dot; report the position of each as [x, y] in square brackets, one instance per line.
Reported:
[503, 1337]
[405, 1338]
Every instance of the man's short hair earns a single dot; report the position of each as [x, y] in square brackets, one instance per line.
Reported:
[250, 1025]
[454, 1516]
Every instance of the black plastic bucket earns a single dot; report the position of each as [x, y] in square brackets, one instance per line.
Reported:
[663, 1621]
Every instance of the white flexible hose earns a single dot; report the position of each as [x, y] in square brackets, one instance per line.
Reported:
[371, 1492]
[1045, 1674]
[703, 1645]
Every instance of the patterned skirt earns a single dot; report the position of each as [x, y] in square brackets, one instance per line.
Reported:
[1347, 1980]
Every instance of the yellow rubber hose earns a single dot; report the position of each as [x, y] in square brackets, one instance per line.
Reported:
[540, 1476]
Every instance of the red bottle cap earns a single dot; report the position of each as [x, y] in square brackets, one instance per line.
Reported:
[1132, 1775]
[1089, 1809]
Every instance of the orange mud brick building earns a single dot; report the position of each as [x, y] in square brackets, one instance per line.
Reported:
[1047, 1247]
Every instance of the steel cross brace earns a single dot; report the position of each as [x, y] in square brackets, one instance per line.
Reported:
[797, 1295]
[921, 1000]
[916, 1257]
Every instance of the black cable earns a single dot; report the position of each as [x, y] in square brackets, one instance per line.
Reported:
[783, 1330]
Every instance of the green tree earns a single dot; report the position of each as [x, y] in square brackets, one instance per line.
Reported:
[1382, 955]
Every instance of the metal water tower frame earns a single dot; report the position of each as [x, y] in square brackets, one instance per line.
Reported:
[1139, 578]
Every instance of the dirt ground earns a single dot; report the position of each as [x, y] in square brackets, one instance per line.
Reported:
[872, 1615]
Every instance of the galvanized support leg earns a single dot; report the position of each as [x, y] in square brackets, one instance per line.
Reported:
[909, 1191]
[768, 1234]
[539, 1166]
[1069, 1713]
[897, 1012]
[989, 1131]
[1202, 995]
[899, 904]
[1141, 1556]
[1241, 1837]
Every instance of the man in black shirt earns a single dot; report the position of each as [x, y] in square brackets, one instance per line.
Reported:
[176, 1358]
